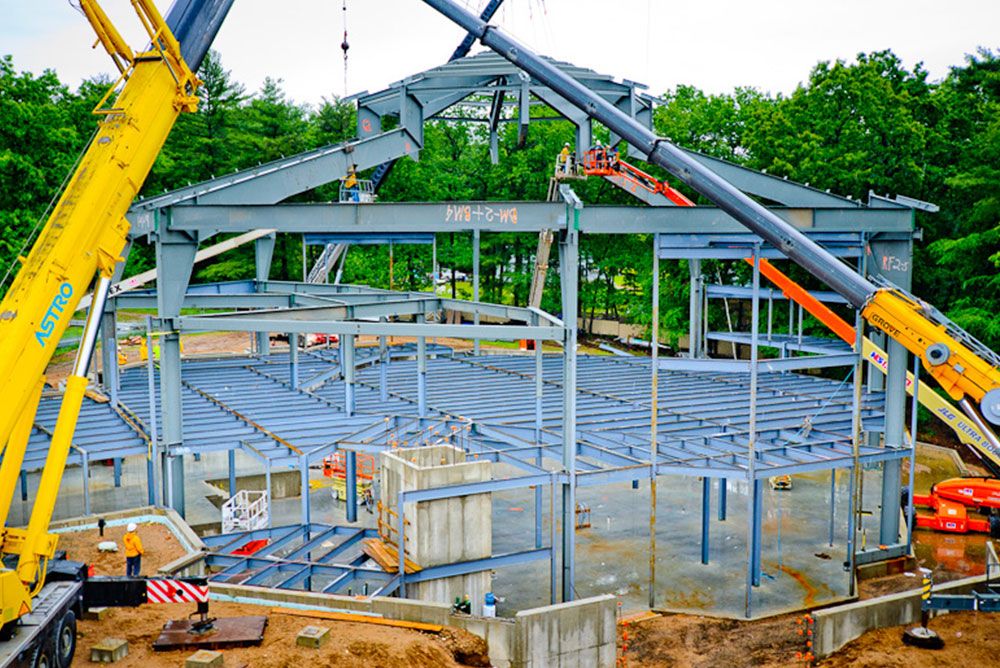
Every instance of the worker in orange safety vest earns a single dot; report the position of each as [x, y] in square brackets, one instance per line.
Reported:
[133, 551]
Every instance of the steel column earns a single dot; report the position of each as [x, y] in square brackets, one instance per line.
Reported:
[304, 473]
[263, 254]
[753, 503]
[914, 411]
[695, 308]
[833, 503]
[723, 482]
[232, 472]
[706, 512]
[539, 395]
[383, 367]
[24, 485]
[895, 417]
[173, 420]
[475, 283]
[109, 352]
[85, 470]
[293, 360]
[654, 410]
[150, 481]
[568, 268]
[154, 455]
[757, 524]
[421, 371]
[175, 254]
[856, 502]
[351, 486]
[116, 464]
[347, 353]
[267, 486]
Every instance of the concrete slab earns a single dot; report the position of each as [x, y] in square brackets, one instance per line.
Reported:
[109, 650]
[204, 658]
[313, 637]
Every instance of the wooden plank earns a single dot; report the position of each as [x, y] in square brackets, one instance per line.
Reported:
[361, 619]
[386, 556]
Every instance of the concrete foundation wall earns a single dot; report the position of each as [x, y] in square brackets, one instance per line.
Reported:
[284, 484]
[165, 516]
[581, 633]
[446, 530]
[835, 627]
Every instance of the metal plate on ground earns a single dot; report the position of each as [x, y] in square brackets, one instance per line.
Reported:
[227, 632]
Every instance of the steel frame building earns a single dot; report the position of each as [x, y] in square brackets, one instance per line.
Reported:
[561, 422]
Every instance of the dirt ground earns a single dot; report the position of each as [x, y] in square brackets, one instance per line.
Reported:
[970, 639]
[160, 545]
[350, 645]
[701, 642]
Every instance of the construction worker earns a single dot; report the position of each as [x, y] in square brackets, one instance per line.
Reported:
[351, 183]
[367, 500]
[598, 156]
[564, 159]
[612, 154]
[133, 551]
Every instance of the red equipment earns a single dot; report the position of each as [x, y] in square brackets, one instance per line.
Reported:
[335, 466]
[602, 162]
[951, 500]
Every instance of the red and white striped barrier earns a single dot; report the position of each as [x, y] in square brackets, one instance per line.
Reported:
[175, 591]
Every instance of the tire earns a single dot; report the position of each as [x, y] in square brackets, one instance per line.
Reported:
[994, 526]
[64, 641]
[922, 637]
[42, 657]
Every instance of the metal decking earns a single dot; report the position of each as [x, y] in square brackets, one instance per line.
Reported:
[248, 404]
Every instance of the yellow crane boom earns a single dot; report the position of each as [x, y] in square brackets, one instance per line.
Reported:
[82, 238]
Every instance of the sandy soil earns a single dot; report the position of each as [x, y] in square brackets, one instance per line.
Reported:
[160, 545]
[969, 641]
[350, 645]
[698, 642]
[702, 642]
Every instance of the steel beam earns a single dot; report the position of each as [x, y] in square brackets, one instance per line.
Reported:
[530, 217]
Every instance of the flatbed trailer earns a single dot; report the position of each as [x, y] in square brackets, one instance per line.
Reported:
[46, 636]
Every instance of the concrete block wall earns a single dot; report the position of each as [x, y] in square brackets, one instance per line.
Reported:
[446, 530]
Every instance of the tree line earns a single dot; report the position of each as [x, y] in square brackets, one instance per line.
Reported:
[851, 127]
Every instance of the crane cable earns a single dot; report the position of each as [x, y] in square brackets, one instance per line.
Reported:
[344, 46]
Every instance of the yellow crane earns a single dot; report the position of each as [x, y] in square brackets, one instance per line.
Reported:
[80, 245]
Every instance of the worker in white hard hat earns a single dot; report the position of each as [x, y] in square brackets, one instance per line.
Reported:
[133, 551]
[598, 158]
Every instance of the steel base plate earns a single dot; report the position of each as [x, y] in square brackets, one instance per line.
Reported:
[228, 632]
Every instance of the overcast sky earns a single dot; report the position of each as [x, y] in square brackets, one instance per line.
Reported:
[713, 44]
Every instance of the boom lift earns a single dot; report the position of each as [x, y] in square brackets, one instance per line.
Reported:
[967, 370]
[983, 442]
[82, 238]
[950, 499]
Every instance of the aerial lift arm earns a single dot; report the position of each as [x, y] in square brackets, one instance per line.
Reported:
[979, 437]
[966, 369]
[83, 238]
